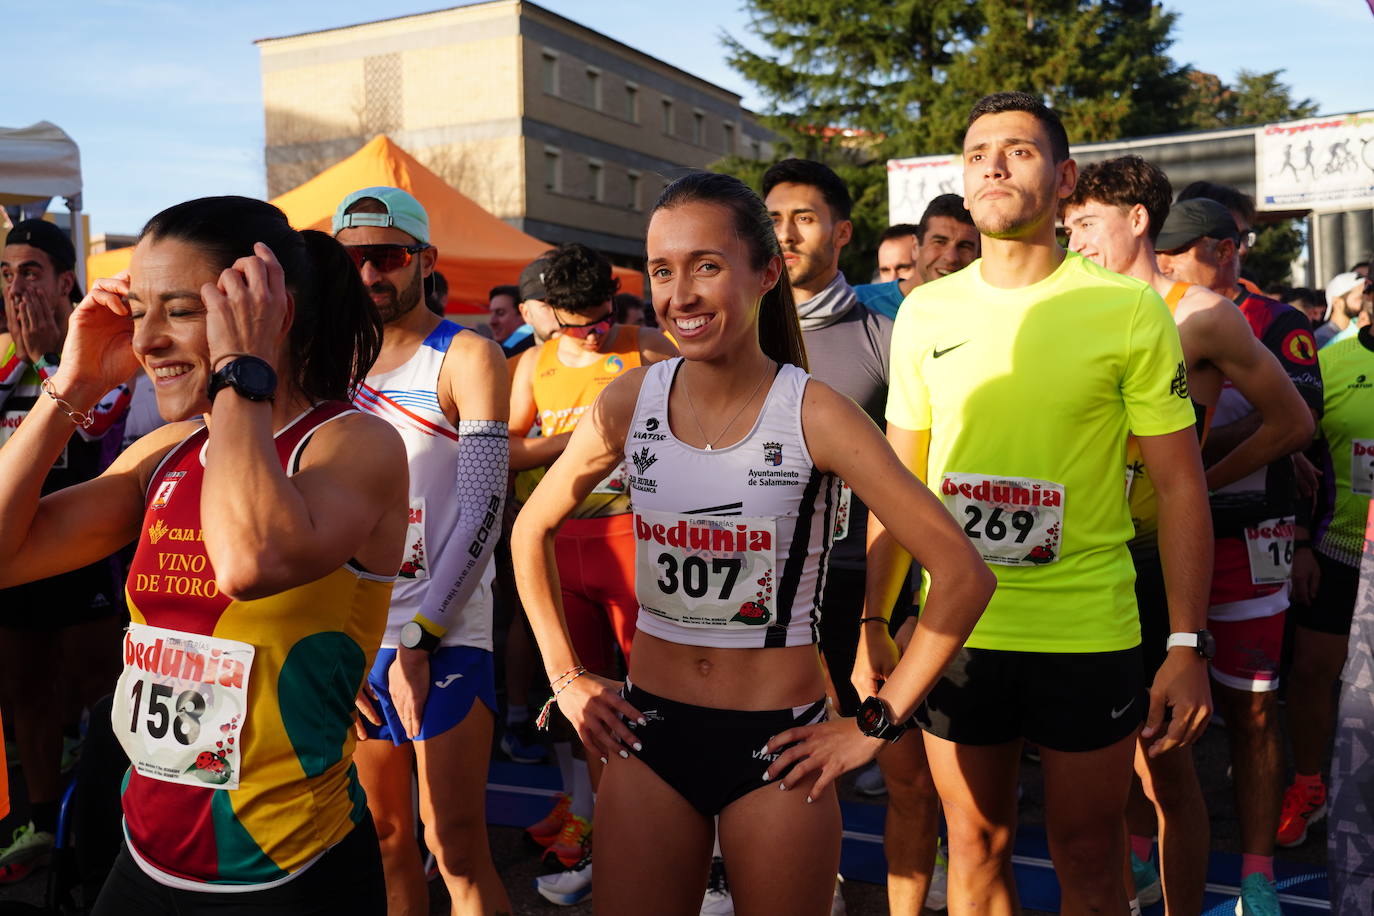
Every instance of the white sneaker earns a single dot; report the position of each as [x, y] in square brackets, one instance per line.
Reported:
[717, 901]
[567, 887]
[870, 781]
[837, 902]
[937, 898]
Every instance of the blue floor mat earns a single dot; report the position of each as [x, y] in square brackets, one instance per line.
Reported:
[520, 795]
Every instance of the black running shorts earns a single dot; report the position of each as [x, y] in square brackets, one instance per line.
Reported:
[1059, 700]
[1335, 601]
[711, 757]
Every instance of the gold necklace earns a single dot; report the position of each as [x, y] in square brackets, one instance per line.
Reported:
[693, 407]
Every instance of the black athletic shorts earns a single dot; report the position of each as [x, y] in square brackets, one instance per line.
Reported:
[1060, 700]
[348, 879]
[1335, 602]
[79, 596]
[1153, 602]
[711, 757]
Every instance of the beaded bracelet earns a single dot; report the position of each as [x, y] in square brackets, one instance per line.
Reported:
[82, 420]
[542, 720]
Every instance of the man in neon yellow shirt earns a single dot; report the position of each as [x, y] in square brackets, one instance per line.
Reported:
[1015, 384]
[1326, 574]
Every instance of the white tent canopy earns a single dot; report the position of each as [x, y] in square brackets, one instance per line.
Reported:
[40, 162]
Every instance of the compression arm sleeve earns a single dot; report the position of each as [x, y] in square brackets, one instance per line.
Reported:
[483, 459]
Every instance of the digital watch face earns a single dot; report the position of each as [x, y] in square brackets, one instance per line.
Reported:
[255, 376]
[871, 715]
[1206, 644]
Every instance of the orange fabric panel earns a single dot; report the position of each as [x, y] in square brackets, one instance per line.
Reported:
[477, 250]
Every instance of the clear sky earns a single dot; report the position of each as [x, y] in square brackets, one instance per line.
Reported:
[165, 101]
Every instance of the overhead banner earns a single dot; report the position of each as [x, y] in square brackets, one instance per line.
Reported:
[1317, 164]
[913, 183]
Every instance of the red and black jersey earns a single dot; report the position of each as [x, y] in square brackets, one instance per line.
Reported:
[1269, 492]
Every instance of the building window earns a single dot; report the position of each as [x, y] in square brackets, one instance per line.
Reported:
[550, 64]
[596, 179]
[756, 150]
[728, 130]
[632, 102]
[553, 170]
[633, 202]
[594, 87]
[668, 117]
[698, 128]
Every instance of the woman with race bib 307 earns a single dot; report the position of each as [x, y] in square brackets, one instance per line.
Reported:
[735, 457]
[268, 537]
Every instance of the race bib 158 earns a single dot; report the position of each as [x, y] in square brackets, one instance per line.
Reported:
[1012, 521]
[182, 704]
[706, 571]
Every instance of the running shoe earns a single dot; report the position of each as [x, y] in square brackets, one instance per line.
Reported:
[13, 874]
[1301, 809]
[574, 843]
[1258, 897]
[870, 781]
[27, 846]
[544, 832]
[566, 888]
[717, 901]
[1148, 888]
[837, 902]
[937, 898]
[520, 743]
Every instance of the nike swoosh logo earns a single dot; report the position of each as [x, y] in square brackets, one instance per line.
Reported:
[1118, 713]
[453, 677]
[939, 353]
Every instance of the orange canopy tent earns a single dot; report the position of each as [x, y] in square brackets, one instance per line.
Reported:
[476, 249]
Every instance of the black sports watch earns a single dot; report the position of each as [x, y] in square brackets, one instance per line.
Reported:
[251, 377]
[874, 723]
[414, 636]
[1201, 641]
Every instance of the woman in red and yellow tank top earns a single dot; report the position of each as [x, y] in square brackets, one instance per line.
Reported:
[268, 536]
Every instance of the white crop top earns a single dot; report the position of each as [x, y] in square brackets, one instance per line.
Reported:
[731, 544]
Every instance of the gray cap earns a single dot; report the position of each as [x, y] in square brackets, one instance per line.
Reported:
[532, 278]
[1193, 219]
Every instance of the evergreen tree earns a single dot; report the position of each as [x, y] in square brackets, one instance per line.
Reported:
[1255, 98]
[854, 84]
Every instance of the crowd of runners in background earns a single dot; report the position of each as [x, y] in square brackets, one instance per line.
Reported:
[1062, 481]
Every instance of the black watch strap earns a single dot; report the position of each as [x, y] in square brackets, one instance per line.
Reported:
[874, 722]
[414, 636]
[252, 378]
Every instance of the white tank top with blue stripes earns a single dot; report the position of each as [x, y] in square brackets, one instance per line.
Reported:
[408, 398]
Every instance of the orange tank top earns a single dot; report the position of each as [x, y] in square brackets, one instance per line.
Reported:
[563, 393]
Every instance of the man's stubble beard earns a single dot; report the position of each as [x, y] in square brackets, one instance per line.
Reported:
[403, 300]
[816, 265]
